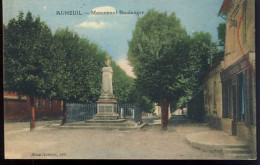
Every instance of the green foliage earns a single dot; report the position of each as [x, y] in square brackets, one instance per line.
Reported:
[122, 83]
[80, 74]
[200, 50]
[158, 51]
[26, 46]
[219, 52]
[169, 63]
[61, 66]
[218, 55]
[222, 33]
[77, 67]
[143, 102]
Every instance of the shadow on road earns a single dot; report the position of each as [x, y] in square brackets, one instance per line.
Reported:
[179, 120]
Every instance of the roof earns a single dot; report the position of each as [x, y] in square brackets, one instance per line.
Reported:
[224, 7]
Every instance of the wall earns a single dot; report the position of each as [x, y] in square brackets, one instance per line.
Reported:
[240, 40]
[235, 45]
[213, 96]
[15, 107]
[18, 107]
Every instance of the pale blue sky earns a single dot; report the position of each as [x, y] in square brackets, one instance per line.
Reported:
[112, 33]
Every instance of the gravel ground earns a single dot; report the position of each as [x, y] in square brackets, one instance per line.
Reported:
[148, 143]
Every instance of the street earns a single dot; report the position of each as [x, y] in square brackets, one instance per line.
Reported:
[148, 143]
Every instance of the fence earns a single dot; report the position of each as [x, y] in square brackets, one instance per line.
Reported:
[76, 112]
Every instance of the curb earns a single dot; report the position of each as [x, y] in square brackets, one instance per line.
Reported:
[207, 146]
[204, 147]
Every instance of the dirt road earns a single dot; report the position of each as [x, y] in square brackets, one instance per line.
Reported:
[147, 143]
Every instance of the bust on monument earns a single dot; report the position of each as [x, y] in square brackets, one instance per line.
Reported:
[107, 62]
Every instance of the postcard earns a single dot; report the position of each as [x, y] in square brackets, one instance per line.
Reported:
[128, 79]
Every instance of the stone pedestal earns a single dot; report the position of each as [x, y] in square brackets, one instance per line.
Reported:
[106, 105]
[106, 110]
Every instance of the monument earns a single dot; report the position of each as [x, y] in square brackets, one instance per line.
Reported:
[107, 116]
[106, 104]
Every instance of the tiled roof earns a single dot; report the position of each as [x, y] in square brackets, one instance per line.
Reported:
[224, 7]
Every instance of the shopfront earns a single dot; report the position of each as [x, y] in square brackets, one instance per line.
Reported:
[237, 95]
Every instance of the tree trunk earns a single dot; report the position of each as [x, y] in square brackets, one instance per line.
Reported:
[63, 113]
[32, 123]
[164, 108]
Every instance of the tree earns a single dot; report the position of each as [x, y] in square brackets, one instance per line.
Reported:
[26, 51]
[200, 50]
[61, 66]
[122, 84]
[158, 53]
[202, 53]
[143, 102]
[125, 90]
[77, 68]
[220, 50]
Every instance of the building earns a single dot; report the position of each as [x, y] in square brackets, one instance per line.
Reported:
[213, 97]
[229, 94]
[158, 111]
[18, 107]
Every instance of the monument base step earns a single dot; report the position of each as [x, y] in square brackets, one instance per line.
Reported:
[105, 121]
[106, 117]
[94, 125]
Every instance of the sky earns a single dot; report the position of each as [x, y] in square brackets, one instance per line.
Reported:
[112, 32]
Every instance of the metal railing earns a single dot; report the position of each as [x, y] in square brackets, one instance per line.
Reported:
[80, 112]
[76, 112]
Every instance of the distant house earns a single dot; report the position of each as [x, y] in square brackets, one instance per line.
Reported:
[158, 111]
[18, 107]
[229, 93]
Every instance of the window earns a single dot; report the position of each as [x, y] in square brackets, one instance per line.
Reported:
[214, 89]
[229, 97]
[237, 95]
[249, 114]
[245, 109]
[225, 92]
[242, 97]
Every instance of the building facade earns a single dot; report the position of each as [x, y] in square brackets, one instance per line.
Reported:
[229, 94]
[158, 110]
[213, 97]
[18, 107]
